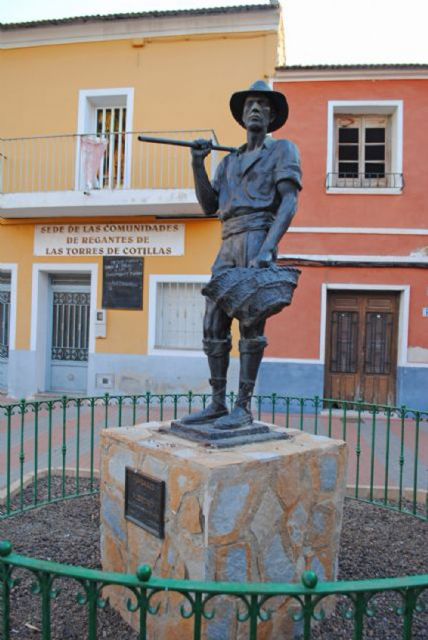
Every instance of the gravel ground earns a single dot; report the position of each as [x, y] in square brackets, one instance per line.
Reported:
[378, 543]
[375, 543]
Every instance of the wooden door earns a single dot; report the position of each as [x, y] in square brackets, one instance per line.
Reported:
[361, 346]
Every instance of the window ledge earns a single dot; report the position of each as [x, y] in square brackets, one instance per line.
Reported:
[375, 191]
[186, 353]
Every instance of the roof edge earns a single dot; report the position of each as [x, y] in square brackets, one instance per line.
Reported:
[332, 72]
[13, 26]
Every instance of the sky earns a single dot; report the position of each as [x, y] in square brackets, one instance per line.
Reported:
[316, 31]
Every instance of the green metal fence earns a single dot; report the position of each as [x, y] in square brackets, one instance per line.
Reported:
[387, 446]
[252, 600]
[58, 439]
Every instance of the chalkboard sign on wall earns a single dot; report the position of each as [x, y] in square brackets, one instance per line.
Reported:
[123, 282]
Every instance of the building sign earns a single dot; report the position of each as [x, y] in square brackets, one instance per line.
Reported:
[109, 239]
[122, 282]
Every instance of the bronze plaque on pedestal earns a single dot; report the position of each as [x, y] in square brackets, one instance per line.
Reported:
[145, 501]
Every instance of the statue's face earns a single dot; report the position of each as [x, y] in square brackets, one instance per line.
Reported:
[257, 113]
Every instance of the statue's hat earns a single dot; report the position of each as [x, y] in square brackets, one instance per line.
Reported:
[277, 101]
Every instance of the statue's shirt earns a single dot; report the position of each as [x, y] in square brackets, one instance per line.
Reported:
[246, 183]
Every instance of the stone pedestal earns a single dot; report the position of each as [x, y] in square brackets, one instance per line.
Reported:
[262, 512]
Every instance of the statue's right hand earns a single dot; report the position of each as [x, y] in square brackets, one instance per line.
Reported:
[201, 149]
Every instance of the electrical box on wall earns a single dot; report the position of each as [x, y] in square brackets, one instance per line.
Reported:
[101, 324]
[104, 381]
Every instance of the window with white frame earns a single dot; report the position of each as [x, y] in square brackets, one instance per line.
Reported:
[180, 309]
[104, 143]
[365, 147]
[362, 149]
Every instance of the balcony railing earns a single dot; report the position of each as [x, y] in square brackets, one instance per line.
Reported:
[364, 181]
[85, 162]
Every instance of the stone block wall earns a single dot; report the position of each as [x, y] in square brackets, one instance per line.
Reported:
[264, 512]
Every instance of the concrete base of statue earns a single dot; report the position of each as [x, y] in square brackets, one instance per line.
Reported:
[262, 512]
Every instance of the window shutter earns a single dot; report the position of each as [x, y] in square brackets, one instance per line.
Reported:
[348, 147]
[375, 151]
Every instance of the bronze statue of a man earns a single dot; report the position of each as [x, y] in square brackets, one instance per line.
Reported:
[254, 193]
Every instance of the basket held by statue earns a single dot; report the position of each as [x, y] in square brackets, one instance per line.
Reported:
[252, 294]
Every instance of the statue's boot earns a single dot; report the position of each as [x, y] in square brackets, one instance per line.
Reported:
[218, 361]
[250, 356]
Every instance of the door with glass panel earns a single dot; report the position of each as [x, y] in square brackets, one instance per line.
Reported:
[361, 346]
[4, 327]
[111, 127]
[70, 300]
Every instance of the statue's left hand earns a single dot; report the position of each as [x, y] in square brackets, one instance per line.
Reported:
[262, 260]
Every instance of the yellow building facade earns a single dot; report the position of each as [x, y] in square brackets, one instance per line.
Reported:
[103, 246]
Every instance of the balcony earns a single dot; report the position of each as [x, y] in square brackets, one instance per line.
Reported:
[384, 183]
[75, 175]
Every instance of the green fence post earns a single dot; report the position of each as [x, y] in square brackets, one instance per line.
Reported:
[36, 452]
[415, 462]
[301, 413]
[134, 410]
[92, 595]
[8, 454]
[358, 448]
[197, 612]
[50, 406]
[106, 400]
[372, 453]
[309, 581]
[5, 581]
[254, 610]
[78, 403]
[330, 417]
[64, 442]
[142, 602]
[144, 574]
[119, 412]
[344, 421]
[316, 408]
[45, 583]
[307, 613]
[148, 398]
[21, 455]
[259, 407]
[287, 412]
[403, 410]
[92, 445]
[360, 607]
[387, 446]
[161, 403]
[273, 398]
[410, 597]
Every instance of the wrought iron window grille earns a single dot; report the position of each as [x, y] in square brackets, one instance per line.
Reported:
[365, 180]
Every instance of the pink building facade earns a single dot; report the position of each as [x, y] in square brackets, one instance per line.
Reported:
[358, 326]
